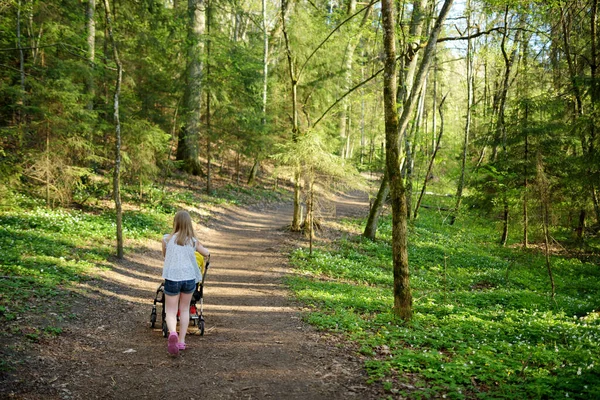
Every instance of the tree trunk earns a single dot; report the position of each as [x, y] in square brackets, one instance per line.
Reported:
[47, 166]
[253, 172]
[208, 126]
[581, 225]
[525, 199]
[435, 150]
[416, 29]
[311, 214]
[189, 136]
[117, 170]
[500, 123]
[91, 50]
[401, 96]
[353, 40]
[297, 217]
[402, 292]
[413, 150]
[405, 88]
[256, 166]
[292, 74]
[465, 149]
[346, 85]
[505, 216]
[371, 227]
[595, 97]
[308, 221]
[544, 192]
[395, 129]
[21, 98]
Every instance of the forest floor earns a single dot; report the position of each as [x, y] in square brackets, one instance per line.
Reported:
[255, 344]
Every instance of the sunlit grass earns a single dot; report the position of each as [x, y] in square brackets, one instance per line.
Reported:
[484, 325]
[43, 250]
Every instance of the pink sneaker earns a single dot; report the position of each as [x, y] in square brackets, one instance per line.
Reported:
[181, 346]
[172, 346]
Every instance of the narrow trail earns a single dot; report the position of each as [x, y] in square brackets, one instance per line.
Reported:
[255, 345]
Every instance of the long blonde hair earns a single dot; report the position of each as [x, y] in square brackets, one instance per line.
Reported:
[182, 226]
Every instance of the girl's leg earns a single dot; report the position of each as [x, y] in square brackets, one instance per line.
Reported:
[184, 314]
[171, 303]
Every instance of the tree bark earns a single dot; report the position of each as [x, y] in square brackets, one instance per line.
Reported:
[595, 97]
[395, 129]
[525, 189]
[189, 136]
[91, 50]
[371, 227]
[402, 292]
[432, 160]
[256, 166]
[117, 169]
[21, 98]
[465, 149]
[309, 221]
[405, 87]
[347, 80]
[544, 192]
[208, 126]
[297, 217]
[501, 123]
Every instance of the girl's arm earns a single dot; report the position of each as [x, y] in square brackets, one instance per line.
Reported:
[202, 250]
[164, 247]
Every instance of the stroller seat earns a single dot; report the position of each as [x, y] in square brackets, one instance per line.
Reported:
[196, 304]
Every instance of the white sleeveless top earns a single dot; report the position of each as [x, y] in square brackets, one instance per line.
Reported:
[180, 261]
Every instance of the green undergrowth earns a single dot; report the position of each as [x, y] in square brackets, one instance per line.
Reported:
[44, 250]
[484, 325]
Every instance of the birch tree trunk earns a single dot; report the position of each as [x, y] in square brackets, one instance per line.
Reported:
[117, 170]
[189, 136]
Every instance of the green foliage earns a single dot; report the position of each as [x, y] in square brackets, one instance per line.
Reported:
[484, 325]
[312, 154]
[42, 249]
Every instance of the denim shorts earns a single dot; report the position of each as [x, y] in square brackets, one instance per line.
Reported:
[172, 288]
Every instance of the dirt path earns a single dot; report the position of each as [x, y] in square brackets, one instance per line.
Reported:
[255, 345]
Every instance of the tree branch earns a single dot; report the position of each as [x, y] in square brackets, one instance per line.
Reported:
[331, 33]
[347, 93]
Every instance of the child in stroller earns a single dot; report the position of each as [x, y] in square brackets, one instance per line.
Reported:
[196, 305]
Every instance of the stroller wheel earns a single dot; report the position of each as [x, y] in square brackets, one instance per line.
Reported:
[201, 327]
[153, 319]
[165, 330]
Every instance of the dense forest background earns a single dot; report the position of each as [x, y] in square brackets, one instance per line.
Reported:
[477, 121]
[508, 106]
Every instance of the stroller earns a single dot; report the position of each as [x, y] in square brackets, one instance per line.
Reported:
[196, 317]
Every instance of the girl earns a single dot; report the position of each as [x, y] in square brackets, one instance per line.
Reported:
[181, 274]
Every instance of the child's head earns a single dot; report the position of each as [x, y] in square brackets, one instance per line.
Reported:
[182, 226]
